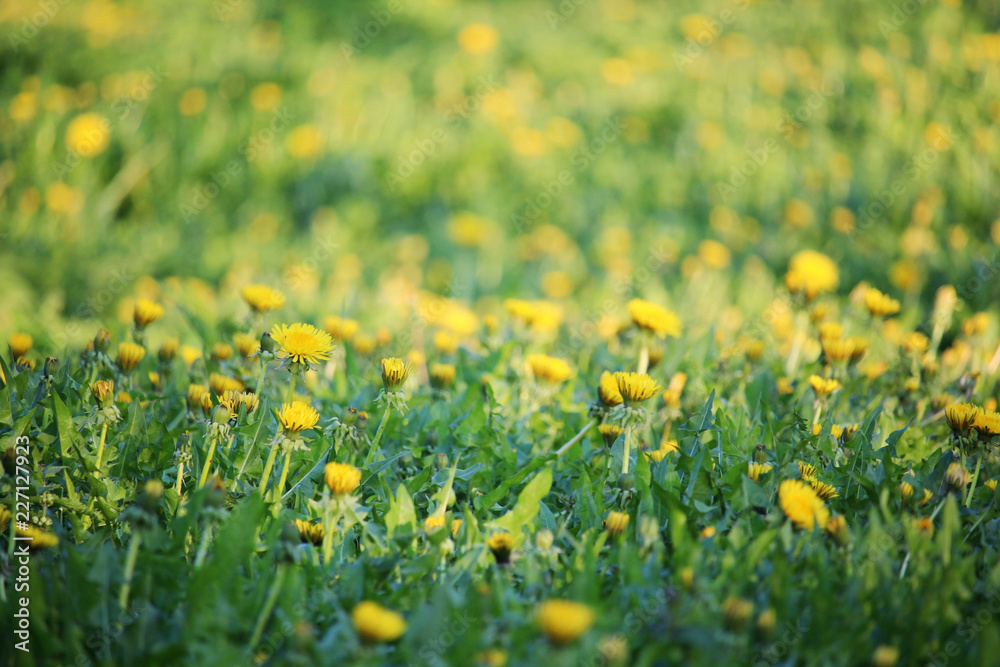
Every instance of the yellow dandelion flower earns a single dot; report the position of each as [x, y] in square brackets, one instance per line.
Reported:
[987, 422]
[433, 522]
[221, 384]
[961, 416]
[801, 504]
[394, 373]
[562, 621]
[190, 354]
[549, 369]
[823, 490]
[956, 475]
[87, 135]
[233, 399]
[301, 343]
[636, 387]
[755, 470]
[20, 344]
[198, 396]
[905, 489]
[836, 527]
[823, 387]
[478, 38]
[501, 544]
[263, 298]
[807, 471]
[297, 416]
[607, 390]
[811, 273]
[222, 351]
[610, 433]
[37, 538]
[655, 318]
[341, 478]
[311, 532]
[838, 350]
[924, 525]
[442, 375]
[616, 523]
[129, 355]
[146, 312]
[990, 484]
[376, 624]
[915, 343]
[879, 304]
[103, 390]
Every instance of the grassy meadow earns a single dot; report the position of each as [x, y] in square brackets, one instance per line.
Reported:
[433, 332]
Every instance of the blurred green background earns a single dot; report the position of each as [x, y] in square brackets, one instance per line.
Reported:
[355, 153]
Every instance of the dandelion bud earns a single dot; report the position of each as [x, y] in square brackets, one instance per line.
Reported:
[442, 460]
[766, 622]
[544, 539]
[167, 350]
[760, 454]
[626, 481]
[736, 612]
[501, 544]
[956, 476]
[616, 523]
[266, 343]
[51, 367]
[837, 528]
[102, 341]
[349, 417]
[885, 656]
[221, 414]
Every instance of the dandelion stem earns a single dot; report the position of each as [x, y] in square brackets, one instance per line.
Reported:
[133, 553]
[272, 598]
[284, 477]
[180, 477]
[100, 448]
[291, 387]
[576, 438]
[208, 461]
[975, 479]
[379, 432]
[260, 380]
[206, 537]
[267, 468]
[627, 454]
[643, 358]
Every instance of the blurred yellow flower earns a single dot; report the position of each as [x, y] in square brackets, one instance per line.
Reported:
[811, 272]
[20, 344]
[341, 478]
[616, 523]
[146, 312]
[376, 624]
[549, 369]
[266, 97]
[801, 504]
[129, 355]
[562, 621]
[87, 135]
[304, 142]
[192, 102]
[654, 318]
[478, 38]
[263, 298]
